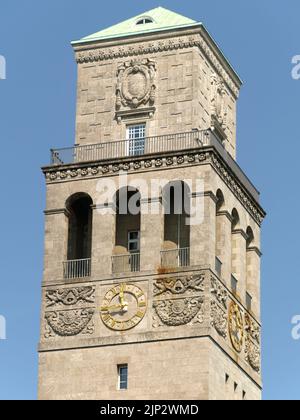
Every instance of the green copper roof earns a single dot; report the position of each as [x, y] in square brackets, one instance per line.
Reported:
[162, 18]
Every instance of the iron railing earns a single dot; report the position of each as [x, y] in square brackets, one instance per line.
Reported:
[74, 269]
[125, 148]
[127, 263]
[175, 258]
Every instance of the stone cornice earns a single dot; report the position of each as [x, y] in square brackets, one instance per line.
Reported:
[226, 214]
[256, 250]
[207, 155]
[240, 232]
[57, 211]
[197, 38]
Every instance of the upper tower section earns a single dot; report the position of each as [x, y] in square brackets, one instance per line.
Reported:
[158, 69]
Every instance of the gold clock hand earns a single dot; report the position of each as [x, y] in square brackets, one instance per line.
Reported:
[122, 294]
[110, 308]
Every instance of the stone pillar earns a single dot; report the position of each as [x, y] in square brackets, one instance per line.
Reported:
[253, 278]
[223, 244]
[152, 233]
[239, 261]
[56, 243]
[103, 240]
[203, 237]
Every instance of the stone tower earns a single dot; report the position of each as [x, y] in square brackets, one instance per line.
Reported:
[151, 284]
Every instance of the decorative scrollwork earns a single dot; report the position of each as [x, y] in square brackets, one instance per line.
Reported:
[178, 312]
[69, 323]
[70, 297]
[252, 347]
[178, 286]
[218, 319]
[219, 291]
[135, 85]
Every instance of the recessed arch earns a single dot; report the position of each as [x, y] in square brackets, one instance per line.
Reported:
[79, 207]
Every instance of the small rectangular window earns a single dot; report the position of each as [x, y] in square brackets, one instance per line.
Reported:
[123, 377]
[244, 395]
[248, 302]
[218, 267]
[234, 284]
[136, 136]
[235, 387]
[226, 378]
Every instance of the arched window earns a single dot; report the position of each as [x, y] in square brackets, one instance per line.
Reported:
[235, 251]
[128, 230]
[176, 202]
[219, 240]
[250, 270]
[79, 208]
[80, 227]
[144, 20]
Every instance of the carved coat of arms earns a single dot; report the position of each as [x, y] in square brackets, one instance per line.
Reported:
[135, 84]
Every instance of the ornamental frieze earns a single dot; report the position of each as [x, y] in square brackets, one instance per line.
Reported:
[219, 292]
[69, 323]
[135, 85]
[219, 319]
[70, 297]
[252, 347]
[179, 286]
[159, 46]
[65, 174]
[177, 312]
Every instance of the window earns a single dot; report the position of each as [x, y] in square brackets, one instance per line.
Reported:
[244, 395]
[218, 266]
[144, 21]
[134, 241]
[235, 387]
[136, 136]
[234, 284]
[248, 301]
[122, 377]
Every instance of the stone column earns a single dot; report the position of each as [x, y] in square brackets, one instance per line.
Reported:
[223, 244]
[152, 233]
[103, 240]
[253, 278]
[239, 261]
[56, 243]
[203, 237]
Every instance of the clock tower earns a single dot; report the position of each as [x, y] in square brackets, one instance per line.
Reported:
[151, 286]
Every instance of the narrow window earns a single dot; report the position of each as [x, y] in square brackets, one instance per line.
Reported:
[122, 377]
[248, 301]
[234, 284]
[235, 387]
[144, 21]
[136, 139]
[244, 395]
[226, 379]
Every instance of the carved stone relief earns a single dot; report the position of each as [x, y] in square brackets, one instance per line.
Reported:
[219, 319]
[69, 323]
[252, 347]
[218, 102]
[178, 301]
[70, 297]
[219, 292]
[135, 84]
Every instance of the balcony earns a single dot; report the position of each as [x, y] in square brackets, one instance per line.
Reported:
[149, 146]
[175, 258]
[129, 148]
[77, 269]
[127, 263]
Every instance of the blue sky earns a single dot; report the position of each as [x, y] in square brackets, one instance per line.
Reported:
[37, 112]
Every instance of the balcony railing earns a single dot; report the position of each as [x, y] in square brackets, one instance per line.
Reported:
[77, 269]
[126, 148]
[127, 263]
[175, 258]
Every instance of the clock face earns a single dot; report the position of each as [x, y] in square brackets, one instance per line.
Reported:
[236, 327]
[124, 306]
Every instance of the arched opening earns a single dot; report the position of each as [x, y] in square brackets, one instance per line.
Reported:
[176, 203]
[79, 208]
[128, 230]
[235, 251]
[250, 269]
[219, 232]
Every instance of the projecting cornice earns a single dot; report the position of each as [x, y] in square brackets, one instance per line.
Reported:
[197, 37]
[208, 155]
